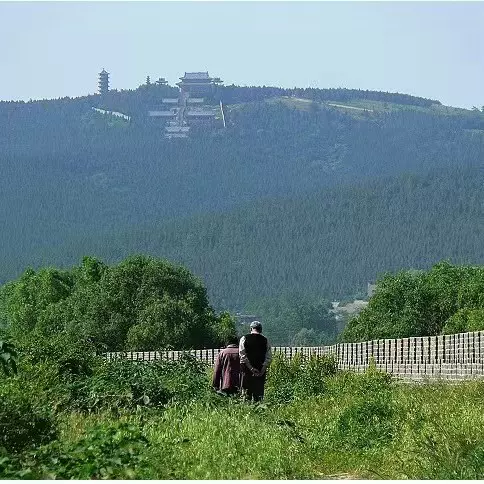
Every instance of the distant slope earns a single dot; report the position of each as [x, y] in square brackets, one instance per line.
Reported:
[327, 244]
[236, 94]
[67, 170]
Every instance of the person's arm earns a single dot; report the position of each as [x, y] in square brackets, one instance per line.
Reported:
[243, 355]
[267, 360]
[217, 372]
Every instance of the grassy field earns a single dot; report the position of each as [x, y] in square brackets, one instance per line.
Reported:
[313, 424]
[416, 432]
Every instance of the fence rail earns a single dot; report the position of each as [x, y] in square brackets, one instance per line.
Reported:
[455, 356]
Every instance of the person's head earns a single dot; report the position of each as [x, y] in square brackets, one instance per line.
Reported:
[255, 327]
[232, 340]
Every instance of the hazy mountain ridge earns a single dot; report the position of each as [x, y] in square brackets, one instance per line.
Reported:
[70, 172]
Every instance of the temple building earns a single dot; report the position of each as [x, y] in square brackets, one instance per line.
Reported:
[191, 109]
[103, 83]
[198, 84]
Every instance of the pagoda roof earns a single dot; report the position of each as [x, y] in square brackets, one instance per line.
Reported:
[196, 75]
[103, 72]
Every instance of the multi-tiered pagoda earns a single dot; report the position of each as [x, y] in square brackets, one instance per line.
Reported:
[103, 83]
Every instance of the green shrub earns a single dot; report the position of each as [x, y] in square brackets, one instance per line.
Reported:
[370, 383]
[108, 451]
[24, 422]
[465, 320]
[128, 384]
[366, 423]
[299, 377]
[142, 303]
[119, 384]
[369, 416]
[186, 379]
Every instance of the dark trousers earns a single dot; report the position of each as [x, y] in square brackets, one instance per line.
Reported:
[253, 385]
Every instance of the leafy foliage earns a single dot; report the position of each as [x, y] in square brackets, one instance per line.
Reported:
[372, 418]
[121, 384]
[24, 421]
[112, 451]
[140, 304]
[8, 358]
[465, 320]
[446, 298]
[298, 378]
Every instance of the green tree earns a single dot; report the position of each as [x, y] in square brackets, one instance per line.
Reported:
[447, 298]
[142, 303]
[226, 328]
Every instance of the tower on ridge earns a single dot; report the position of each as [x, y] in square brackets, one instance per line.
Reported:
[103, 82]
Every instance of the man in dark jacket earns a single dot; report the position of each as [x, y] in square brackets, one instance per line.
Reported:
[255, 358]
[226, 374]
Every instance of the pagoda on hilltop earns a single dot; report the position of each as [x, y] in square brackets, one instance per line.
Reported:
[198, 84]
[103, 83]
[194, 108]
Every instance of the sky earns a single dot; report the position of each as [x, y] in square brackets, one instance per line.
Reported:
[430, 49]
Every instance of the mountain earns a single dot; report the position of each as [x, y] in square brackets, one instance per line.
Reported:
[77, 182]
[327, 244]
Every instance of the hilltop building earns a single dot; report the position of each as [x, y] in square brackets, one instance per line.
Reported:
[103, 83]
[198, 84]
[191, 109]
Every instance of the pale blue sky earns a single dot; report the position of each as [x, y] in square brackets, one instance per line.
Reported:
[430, 49]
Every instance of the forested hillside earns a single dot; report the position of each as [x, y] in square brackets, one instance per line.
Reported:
[75, 182]
[327, 244]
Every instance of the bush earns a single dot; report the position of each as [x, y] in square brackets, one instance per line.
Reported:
[119, 384]
[370, 417]
[446, 298]
[465, 320]
[108, 451]
[71, 357]
[142, 303]
[299, 377]
[124, 384]
[186, 379]
[23, 421]
[366, 423]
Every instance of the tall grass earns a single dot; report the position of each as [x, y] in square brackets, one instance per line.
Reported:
[314, 423]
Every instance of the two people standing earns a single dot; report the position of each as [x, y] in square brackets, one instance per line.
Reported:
[244, 366]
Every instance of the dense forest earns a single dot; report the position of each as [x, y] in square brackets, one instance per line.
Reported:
[286, 201]
[325, 244]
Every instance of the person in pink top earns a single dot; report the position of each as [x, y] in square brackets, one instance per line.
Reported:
[226, 374]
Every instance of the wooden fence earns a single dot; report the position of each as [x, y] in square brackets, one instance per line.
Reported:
[455, 356]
